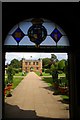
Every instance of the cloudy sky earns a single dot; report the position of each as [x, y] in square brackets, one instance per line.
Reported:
[19, 55]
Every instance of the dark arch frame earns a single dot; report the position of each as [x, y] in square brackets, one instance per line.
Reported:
[34, 49]
[68, 16]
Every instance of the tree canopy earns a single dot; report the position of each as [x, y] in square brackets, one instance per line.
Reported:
[61, 64]
[46, 62]
[15, 63]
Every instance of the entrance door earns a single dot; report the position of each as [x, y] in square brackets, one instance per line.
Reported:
[31, 69]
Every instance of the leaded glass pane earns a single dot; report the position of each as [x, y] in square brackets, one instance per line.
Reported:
[13, 29]
[10, 40]
[34, 31]
[61, 30]
[18, 35]
[37, 21]
[56, 35]
[49, 27]
[63, 41]
[24, 26]
[26, 41]
[48, 41]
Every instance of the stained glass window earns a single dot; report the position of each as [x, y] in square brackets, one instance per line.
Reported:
[56, 35]
[36, 31]
[18, 35]
[37, 34]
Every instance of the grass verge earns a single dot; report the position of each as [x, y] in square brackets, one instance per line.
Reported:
[16, 81]
[49, 81]
[20, 74]
[43, 74]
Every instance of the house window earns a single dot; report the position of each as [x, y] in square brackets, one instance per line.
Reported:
[33, 63]
[37, 68]
[36, 63]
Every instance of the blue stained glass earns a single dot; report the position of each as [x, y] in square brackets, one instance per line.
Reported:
[18, 35]
[38, 31]
[55, 30]
[56, 35]
[18, 39]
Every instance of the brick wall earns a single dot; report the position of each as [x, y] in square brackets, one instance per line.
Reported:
[31, 65]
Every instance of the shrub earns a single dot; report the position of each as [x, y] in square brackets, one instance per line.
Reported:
[10, 73]
[42, 69]
[60, 71]
[20, 70]
[47, 71]
[13, 71]
[16, 70]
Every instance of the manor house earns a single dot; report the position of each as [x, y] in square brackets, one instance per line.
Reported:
[31, 65]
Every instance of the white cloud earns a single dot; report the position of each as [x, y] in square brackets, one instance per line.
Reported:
[19, 55]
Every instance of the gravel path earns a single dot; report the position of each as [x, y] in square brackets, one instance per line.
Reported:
[33, 98]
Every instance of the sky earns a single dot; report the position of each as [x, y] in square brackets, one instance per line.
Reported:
[19, 55]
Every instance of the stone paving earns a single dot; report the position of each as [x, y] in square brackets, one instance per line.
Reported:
[32, 98]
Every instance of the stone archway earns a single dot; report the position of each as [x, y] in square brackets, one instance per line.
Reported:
[44, 45]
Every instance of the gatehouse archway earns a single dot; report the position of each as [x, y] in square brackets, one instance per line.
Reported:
[36, 34]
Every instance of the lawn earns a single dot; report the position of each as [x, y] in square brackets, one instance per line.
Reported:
[61, 75]
[17, 74]
[20, 74]
[46, 74]
[65, 99]
[49, 81]
[16, 81]
[43, 74]
[38, 73]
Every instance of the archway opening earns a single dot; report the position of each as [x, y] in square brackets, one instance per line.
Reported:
[50, 62]
[40, 35]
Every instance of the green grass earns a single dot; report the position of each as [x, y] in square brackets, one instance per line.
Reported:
[46, 74]
[16, 81]
[48, 80]
[43, 74]
[38, 73]
[17, 74]
[64, 97]
[20, 74]
[61, 75]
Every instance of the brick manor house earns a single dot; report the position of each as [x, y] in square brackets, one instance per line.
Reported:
[31, 65]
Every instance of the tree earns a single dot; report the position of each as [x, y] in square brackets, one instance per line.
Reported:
[52, 68]
[15, 63]
[54, 58]
[61, 64]
[54, 72]
[10, 74]
[46, 62]
[66, 69]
